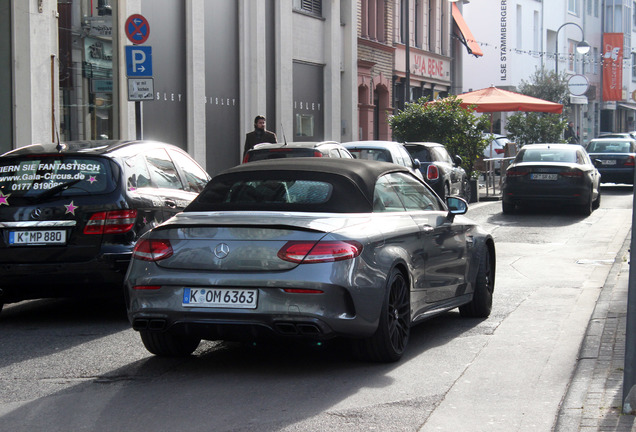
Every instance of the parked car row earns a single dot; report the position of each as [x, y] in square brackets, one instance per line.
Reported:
[569, 174]
[330, 245]
[428, 161]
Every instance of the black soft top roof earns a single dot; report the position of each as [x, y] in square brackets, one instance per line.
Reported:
[353, 180]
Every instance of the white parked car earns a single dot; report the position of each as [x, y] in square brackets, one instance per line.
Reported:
[495, 149]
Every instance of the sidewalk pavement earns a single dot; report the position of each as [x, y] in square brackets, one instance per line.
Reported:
[594, 399]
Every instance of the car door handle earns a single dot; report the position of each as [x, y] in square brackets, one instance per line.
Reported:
[427, 229]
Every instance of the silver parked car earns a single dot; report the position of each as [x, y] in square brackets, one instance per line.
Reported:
[309, 248]
[384, 151]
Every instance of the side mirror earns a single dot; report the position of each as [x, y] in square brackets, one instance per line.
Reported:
[458, 160]
[416, 163]
[456, 206]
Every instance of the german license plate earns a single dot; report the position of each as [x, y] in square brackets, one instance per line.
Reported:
[220, 298]
[608, 162]
[37, 237]
[544, 176]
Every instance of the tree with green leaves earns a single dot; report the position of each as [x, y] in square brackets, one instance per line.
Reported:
[446, 122]
[533, 127]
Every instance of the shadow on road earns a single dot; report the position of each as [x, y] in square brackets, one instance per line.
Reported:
[37, 328]
[231, 387]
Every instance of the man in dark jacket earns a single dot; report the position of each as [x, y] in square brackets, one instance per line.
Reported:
[258, 135]
[570, 135]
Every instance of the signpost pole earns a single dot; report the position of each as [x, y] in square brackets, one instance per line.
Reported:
[629, 372]
[138, 129]
[138, 65]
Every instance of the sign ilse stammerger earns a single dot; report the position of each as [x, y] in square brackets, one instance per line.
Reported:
[612, 66]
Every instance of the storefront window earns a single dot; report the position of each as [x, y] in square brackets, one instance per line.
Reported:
[304, 125]
[86, 69]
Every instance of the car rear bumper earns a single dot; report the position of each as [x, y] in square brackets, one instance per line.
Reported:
[101, 277]
[232, 328]
[617, 175]
[561, 196]
[335, 308]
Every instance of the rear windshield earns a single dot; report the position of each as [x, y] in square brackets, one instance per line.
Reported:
[420, 153]
[62, 175]
[547, 155]
[281, 153]
[609, 147]
[382, 155]
[271, 191]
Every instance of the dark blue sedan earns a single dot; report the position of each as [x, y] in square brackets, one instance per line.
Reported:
[614, 158]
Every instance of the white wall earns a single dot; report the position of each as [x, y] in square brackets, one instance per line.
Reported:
[35, 72]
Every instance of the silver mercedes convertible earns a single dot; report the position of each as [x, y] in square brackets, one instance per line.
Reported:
[310, 249]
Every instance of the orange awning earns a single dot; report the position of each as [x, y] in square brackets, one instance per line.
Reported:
[466, 36]
[493, 99]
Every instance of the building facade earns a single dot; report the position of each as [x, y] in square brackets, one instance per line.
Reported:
[520, 36]
[406, 51]
[215, 66]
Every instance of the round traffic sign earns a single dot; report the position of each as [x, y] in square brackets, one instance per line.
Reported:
[578, 85]
[137, 29]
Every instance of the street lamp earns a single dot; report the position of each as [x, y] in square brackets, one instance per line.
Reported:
[582, 47]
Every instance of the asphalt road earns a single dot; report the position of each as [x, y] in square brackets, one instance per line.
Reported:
[77, 366]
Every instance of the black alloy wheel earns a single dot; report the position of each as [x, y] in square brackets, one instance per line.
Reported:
[391, 338]
[481, 304]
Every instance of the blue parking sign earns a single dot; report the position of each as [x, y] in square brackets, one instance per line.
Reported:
[138, 61]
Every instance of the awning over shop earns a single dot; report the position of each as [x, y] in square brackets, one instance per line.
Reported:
[627, 106]
[466, 36]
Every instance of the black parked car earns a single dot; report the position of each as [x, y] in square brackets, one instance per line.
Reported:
[70, 214]
[554, 174]
[442, 172]
[284, 150]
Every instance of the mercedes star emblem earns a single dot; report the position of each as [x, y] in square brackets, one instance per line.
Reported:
[221, 250]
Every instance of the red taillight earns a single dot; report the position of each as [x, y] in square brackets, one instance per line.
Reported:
[513, 173]
[432, 173]
[112, 222]
[147, 287]
[317, 153]
[499, 151]
[302, 291]
[572, 174]
[246, 158]
[629, 161]
[328, 251]
[152, 249]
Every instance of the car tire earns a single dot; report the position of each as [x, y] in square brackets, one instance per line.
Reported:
[466, 190]
[445, 191]
[587, 208]
[169, 345]
[597, 202]
[392, 335]
[507, 208]
[481, 304]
